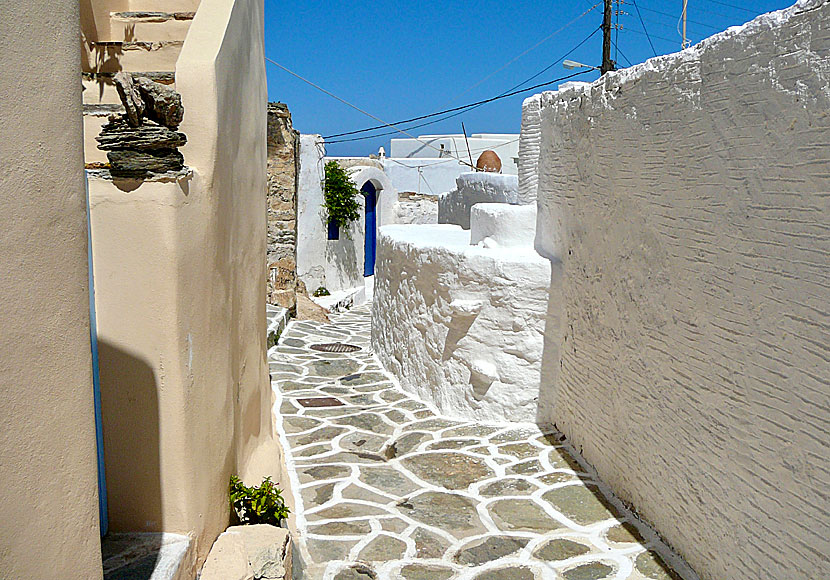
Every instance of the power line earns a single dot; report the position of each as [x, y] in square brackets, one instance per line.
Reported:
[640, 16]
[505, 95]
[617, 48]
[355, 107]
[732, 6]
[459, 110]
[544, 40]
[672, 16]
[462, 107]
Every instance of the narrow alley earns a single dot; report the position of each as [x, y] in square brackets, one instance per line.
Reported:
[391, 489]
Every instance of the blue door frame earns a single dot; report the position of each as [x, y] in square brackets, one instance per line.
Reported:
[96, 381]
[370, 193]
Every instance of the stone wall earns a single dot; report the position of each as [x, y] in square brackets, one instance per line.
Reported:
[687, 199]
[283, 160]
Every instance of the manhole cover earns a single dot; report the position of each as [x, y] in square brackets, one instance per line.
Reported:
[335, 347]
[320, 402]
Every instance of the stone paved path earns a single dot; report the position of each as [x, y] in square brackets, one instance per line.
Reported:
[390, 489]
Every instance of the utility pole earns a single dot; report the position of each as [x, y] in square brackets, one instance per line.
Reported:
[685, 42]
[607, 63]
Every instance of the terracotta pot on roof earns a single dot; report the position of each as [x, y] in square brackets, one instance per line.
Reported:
[489, 162]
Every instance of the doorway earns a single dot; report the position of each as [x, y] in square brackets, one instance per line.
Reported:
[370, 194]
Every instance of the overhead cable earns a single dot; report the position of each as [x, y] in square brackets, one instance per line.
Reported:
[355, 107]
[544, 40]
[464, 108]
[640, 16]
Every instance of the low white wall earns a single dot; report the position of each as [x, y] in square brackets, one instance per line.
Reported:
[695, 244]
[495, 225]
[461, 325]
[472, 188]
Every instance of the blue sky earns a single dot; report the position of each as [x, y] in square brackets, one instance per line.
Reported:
[404, 59]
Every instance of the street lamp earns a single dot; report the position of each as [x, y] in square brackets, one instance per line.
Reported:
[570, 64]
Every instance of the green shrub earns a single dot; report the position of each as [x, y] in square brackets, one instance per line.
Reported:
[340, 196]
[321, 291]
[262, 504]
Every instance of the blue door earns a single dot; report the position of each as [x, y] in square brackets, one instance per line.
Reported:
[370, 193]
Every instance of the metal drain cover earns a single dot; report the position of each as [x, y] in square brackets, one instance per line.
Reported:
[335, 347]
[320, 402]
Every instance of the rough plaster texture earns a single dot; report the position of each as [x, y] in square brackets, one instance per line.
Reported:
[694, 367]
[336, 265]
[529, 143]
[494, 225]
[461, 325]
[472, 188]
[49, 497]
[179, 265]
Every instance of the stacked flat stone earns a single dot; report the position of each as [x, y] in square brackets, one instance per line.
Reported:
[144, 140]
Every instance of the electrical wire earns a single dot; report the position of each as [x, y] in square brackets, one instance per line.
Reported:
[505, 95]
[617, 48]
[510, 92]
[544, 40]
[469, 106]
[640, 16]
[732, 6]
[355, 107]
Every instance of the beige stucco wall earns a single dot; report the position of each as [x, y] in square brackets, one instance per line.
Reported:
[687, 199]
[180, 288]
[49, 494]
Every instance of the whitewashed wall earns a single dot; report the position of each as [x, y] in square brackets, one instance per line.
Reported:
[461, 325]
[688, 201]
[334, 264]
[436, 175]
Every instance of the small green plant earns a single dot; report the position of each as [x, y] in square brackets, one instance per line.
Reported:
[321, 291]
[340, 196]
[262, 504]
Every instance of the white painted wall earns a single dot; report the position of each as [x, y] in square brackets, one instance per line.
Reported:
[506, 146]
[423, 175]
[336, 265]
[694, 243]
[529, 143]
[494, 225]
[461, 325]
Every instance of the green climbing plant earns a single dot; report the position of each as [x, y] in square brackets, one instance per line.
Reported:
[340, 196]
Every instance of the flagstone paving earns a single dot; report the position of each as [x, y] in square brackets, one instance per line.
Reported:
[388, 488]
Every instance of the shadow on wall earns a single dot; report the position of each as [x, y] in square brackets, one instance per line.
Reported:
[130, 413]
[553, 342]
[342, 253]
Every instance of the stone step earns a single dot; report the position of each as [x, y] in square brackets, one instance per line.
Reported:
[133, 56]
[149, 26]
[99, 88]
